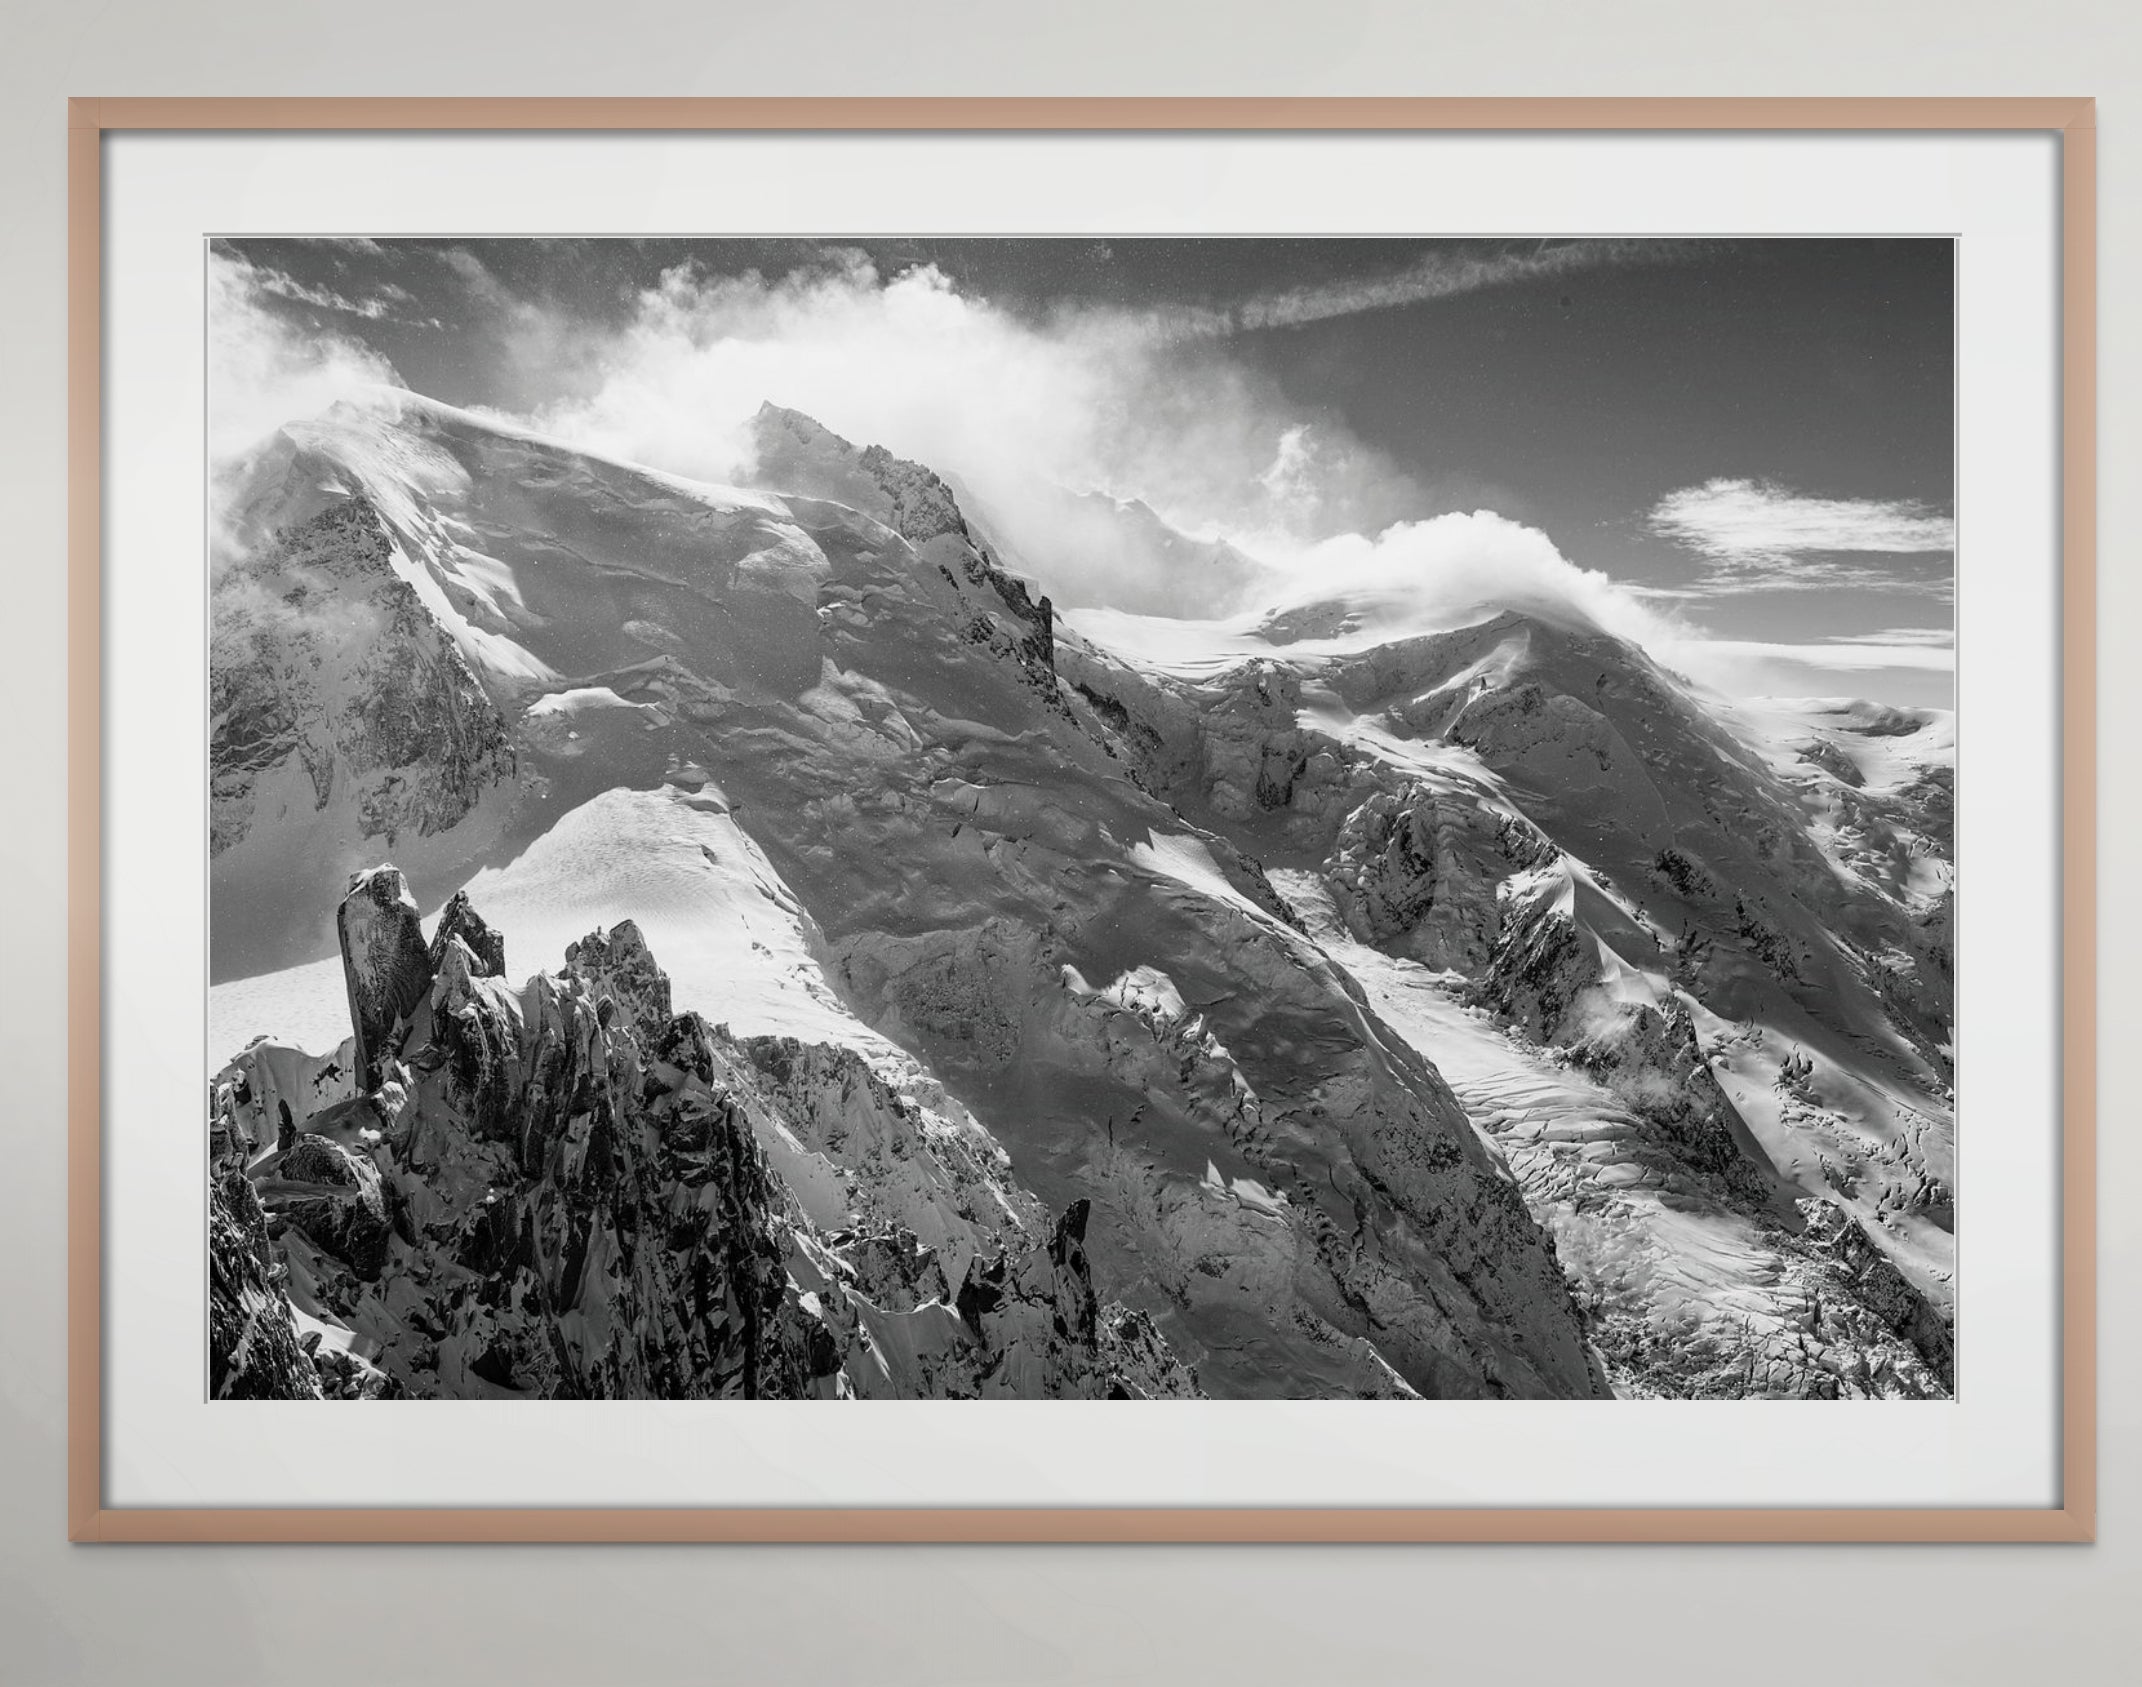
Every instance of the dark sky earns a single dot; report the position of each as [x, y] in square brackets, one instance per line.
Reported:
[1573, 385]
[1824, 363]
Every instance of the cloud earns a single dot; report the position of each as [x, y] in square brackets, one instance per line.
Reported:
[1932, 638]
[1855, 654]
[1911, 670]
[1734, 520]
[380, 305]
[1439, 274]
[1455, 569]
[1758, 536]
[479, 281]
[1015, 410]
[264, 371]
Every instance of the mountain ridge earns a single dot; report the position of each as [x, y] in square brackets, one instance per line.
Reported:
[1142, 924]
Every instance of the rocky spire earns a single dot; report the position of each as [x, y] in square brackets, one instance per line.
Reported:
[460, 919]
[384, 963]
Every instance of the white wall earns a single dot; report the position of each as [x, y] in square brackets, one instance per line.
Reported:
[1958, 1616]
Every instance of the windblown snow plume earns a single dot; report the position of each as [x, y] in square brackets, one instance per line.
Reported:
[262, 373]
[1023, 411]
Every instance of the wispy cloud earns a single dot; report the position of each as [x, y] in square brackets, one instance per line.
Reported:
[1834, 667]
[379, 305]
[1928, 638]
[1752, 520]
[479, 281]
[264, 369]
[1441, 274]
[1759, 536]
[1842, 655]
[1806, 574]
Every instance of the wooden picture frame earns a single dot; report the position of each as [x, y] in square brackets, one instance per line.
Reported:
[2072, 1520]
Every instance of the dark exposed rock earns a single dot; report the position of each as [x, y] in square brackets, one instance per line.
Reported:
[385, 963]
[1875, 1283]
[314, 1159]
[1415, 873]
[253, 1349]
[892, 1268]
[345, 1376]
[458, 919]
[1141, 1365]
[1541, 971]
[1688, 877]
[1834, 762]
[617, 964]
[1649, 1060]
[334, 1196]
[1024, 1323]
[1037, 1315]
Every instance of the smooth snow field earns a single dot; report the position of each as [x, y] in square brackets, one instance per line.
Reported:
[733, 940]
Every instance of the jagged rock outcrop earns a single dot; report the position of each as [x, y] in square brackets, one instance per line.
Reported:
[334, 1196]
[1023, 1323]
[1874, 1283]
[1647, 1057]
[558, 1191]
[458, 920]
[874, 1161]
[1544, 971]
[1037, 1315]
[584, 1213]
[1416, 872]
[253, 1347]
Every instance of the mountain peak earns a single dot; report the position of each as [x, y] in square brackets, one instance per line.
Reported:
[799, 454]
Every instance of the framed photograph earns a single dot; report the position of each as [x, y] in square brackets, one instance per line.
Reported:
[1101, 820]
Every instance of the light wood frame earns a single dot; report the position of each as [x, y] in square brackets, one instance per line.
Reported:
[2073, 1520]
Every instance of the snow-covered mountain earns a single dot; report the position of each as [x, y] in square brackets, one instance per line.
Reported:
[1298, 1005]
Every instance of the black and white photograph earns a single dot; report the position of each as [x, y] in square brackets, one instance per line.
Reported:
[1134, 819]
